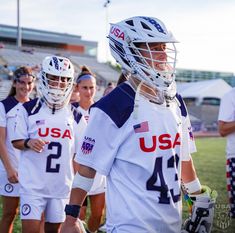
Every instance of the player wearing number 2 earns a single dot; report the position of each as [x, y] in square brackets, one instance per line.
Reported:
[140, 137]
[47, 130]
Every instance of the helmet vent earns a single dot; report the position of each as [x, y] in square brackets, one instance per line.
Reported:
[125, 61]
[133, 30]
[145, 26]
[130, 22]
[150, 35]
[50, 63]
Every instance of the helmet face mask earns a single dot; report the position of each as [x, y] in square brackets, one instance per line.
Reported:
[156, 62]
[56, 81]
[146, 49]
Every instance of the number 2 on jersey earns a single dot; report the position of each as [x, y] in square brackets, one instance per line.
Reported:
[50, 157]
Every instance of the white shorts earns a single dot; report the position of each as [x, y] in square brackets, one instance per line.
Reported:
[99, 185]
[32, 207]
[6, 188]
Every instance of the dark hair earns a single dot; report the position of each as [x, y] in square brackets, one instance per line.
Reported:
[121, 79]
[84, 71]
[21, 71]
[110, 84]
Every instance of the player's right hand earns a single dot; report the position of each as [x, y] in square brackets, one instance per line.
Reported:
[72, 225]
[37, 144]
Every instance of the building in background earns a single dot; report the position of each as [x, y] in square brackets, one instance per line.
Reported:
[48, 40]
[36, 44]
[186, 75]
[203, 100]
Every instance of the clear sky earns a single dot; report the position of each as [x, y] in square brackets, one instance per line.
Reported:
[205, 28]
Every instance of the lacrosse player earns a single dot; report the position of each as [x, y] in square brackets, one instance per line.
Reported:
[47, 130]
[140, 137]
[22, 86]
[86, 87]
[227, 129]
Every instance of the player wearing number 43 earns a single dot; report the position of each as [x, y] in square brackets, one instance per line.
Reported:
[48, 131]
[140, 137]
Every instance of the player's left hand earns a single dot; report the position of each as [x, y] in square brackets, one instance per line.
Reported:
[201, 219]
[37, 144]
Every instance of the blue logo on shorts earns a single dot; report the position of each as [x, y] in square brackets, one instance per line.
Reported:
[25, 209]
[9, 188]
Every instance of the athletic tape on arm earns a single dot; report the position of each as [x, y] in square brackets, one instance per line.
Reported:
[82, 182]
[193, 186]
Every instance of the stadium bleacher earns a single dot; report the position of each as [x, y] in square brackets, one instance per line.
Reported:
[15, 57]
[29, 56]
[102, 70]
[5, 86]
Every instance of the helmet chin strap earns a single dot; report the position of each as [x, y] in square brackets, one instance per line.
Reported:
[40, 100]
[137, 100]
[154, 95]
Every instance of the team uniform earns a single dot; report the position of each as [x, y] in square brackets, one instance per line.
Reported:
[46, 177]
[227, 114]
[8, 110]
[141, 156]
[99, 183]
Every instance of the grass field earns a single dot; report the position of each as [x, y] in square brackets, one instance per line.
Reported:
[210, 164]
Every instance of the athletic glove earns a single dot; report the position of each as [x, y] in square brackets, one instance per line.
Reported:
[201, 218]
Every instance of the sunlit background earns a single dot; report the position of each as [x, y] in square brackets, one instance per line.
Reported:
[205, 28]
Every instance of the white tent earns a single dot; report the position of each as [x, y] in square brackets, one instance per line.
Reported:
[215, 88]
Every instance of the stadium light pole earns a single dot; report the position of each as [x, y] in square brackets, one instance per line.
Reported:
[106, 4]
[19, 42]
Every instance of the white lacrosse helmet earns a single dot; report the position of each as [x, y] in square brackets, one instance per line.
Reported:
[133, 44]
[56, 81]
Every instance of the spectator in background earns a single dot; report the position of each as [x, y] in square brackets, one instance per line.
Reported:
[22, 86]
[108, 89]
[86, 86]
[111, 86]
[2, 46]
[75, 97]
[226, 120]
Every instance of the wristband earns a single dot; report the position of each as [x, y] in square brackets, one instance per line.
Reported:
[26, 143]
[193, 186]
[72, 210]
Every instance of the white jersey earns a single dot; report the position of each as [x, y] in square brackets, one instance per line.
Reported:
[49, 173]
[8, 110]
[227, 114]
[140, 151]
[84, 112]
[99, 183]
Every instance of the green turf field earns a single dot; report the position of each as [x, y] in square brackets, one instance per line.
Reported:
[210, 164]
